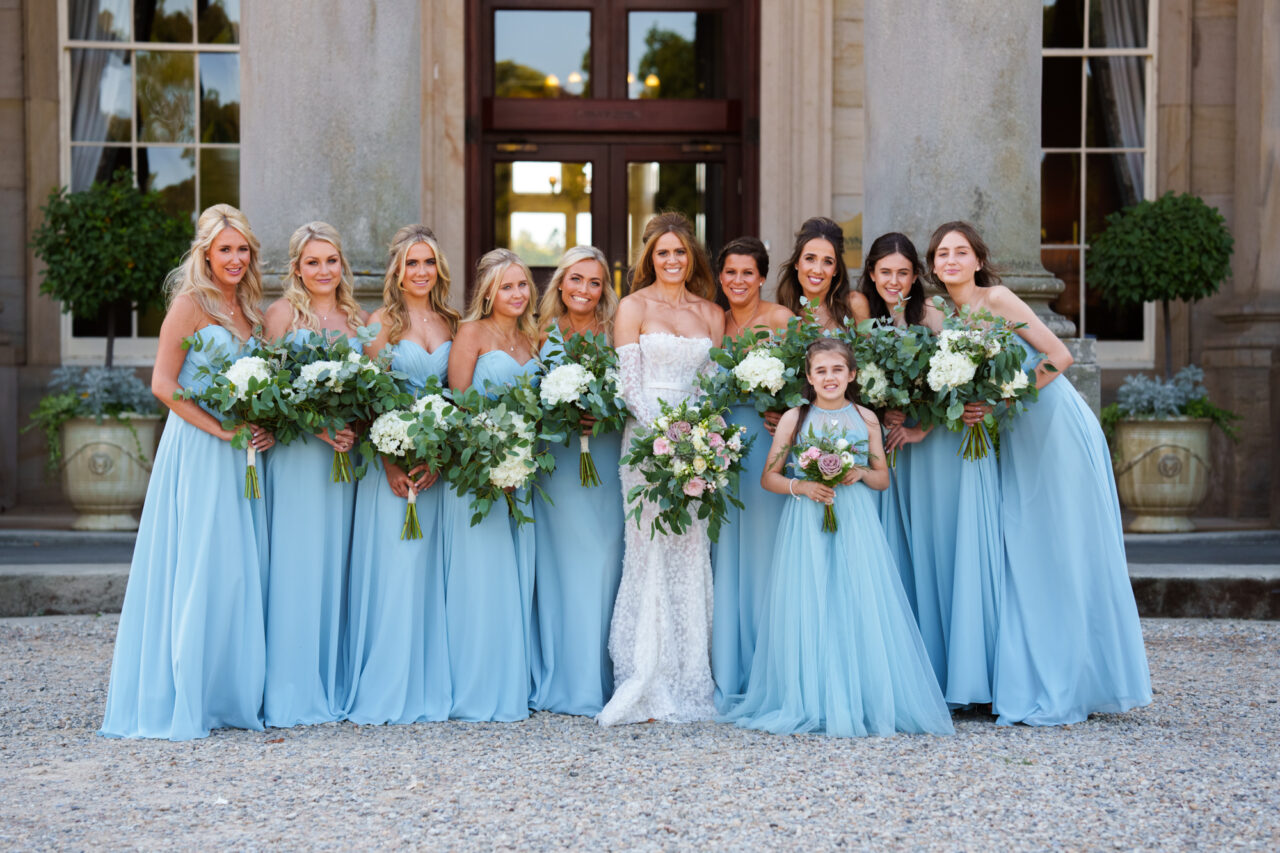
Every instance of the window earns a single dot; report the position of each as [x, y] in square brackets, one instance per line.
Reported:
[1097, 146]
[152, 86]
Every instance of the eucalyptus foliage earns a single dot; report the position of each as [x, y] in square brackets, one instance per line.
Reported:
[1144, 397]
[94, 392]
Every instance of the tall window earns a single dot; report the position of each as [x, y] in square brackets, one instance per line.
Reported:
[152, 86]
[1098, 139]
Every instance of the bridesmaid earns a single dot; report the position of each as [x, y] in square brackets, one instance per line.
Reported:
[579, 535]
[189, 654]
[1069, 642]
[946, 509]
[740, 561]
[309, 515]
[397, 649]
[489, 567]
[817, 272]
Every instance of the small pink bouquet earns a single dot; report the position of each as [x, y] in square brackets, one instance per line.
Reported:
[826, 460]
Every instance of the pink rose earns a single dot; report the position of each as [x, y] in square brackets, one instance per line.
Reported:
[661, 446]
[716, 440]
[683, 427]
[695, 487]
[809, 454]
[829, 465]
[719, 422]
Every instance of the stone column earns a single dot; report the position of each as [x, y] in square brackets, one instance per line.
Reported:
[953, 132]
[331, 127]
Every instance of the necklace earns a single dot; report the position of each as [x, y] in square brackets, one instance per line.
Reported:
[573, 327]
[506, 338]
[742, 327]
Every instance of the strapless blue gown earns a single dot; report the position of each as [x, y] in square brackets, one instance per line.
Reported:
[740, 564]
[1069, 643]
[190, 651]
[578, 566]
[492, 636]
[310, 520]
[397, 649]
[838, 650]
[956, 560]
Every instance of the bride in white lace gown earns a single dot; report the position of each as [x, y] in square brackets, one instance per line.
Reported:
[660, 637]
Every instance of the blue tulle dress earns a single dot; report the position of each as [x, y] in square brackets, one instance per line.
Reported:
[740, 565]
[190, 651]
[397, 648]
[956, 560]
[1069, 643]
[489, 592]
[897, 525]
[838, 650]
[578, 567]
[310, 521]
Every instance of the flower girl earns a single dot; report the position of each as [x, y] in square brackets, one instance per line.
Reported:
[838, 650]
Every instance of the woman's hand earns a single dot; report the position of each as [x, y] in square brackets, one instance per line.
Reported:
[852, 476]
[423, 477]
[260, 439]
[400, 482]
[893, 418]
[586, 422]
[816, 492]
[975, 412]
[341, 441]
[900, 436]
[771, 421]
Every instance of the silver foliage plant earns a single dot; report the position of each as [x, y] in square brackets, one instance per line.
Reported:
[1146, 397]
[104, 391]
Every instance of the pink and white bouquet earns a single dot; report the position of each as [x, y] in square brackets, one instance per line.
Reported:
[691, 459]
[826, 460]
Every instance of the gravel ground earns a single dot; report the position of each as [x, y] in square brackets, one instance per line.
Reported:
[1195, 769]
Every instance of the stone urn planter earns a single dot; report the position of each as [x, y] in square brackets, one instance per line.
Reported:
[106, 467]
[1162, 471]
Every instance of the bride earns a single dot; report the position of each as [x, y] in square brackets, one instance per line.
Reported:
[660, 637]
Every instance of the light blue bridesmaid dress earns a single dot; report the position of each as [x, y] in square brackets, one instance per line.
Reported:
[1069, 643]
[190, 650]
[310, 520]
[489, 592]
[956, 560]
[897, 526]
[838, 650]
[397, 650]
[578, 566]
[740, 564]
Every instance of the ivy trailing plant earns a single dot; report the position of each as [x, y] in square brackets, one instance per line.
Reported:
[109, 245]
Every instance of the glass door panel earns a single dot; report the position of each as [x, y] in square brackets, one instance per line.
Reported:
[694, 188]
[675, 55]
[541, 54]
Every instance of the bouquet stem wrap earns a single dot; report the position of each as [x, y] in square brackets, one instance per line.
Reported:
[586, 465]
[252, 487]
[341, 470]
[829, 518]
[976, 442]
[891, 458]
[411, 529]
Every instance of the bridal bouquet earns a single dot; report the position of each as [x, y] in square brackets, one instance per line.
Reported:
[335, 386]
[893, 365]
[978, 360]
[497, 449]
[253, 389]
[419, 435]
[584, 385]
[826, 460]
[763, 370]
[690, 458]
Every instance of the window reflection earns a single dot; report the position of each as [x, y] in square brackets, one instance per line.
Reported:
[98, 20]
[218, 21]
[162, 20]
[219, 97]
[172, 173]
[694, 189]
[541, 54]
[542, 208]
[166, 96]
[675, 55]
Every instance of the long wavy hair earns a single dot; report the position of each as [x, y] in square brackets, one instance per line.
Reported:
[194, 277]
[894, 243]
[551, 305]
[984, 277]
[789, 290]
[698, 280]
[489, 272]
[748, 246]
[394, 312]
[851, 392]
[296, 292]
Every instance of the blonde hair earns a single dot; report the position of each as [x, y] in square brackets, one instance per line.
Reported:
[194, 277]
[551, 306]
[296, 292]
[394, 313]
[489, 272]
[699, 279]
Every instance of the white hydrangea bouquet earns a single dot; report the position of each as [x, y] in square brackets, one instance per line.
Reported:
[977, 360]
[254, 388]
[336, 387]
[765, 371]
[893, 363]
[691, 459]
[579, 391]
[419, 435]
[497, 453]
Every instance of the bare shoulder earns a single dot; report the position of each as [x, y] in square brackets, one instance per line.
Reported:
[278, 310]
[471, 333]
[184, 315]
[787, 423]
[377, 316]
[868, 416]
[859, 307]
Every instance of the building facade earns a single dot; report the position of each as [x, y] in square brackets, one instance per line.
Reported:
[539, 125]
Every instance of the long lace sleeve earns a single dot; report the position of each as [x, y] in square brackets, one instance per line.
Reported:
[631, 383]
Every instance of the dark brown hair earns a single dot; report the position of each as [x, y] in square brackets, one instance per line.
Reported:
[987, 275]
[748, 246]
[789, 291]
[894, 243]
[851, 392]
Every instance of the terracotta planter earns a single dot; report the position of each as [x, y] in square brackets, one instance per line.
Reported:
[1162, 471]
[106, 467]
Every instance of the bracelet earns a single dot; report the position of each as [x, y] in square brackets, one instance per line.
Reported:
[791, 487]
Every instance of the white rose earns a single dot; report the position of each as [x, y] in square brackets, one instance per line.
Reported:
[1014, 385]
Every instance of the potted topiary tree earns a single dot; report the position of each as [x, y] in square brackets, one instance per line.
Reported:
[1173, 248]
[109, 245]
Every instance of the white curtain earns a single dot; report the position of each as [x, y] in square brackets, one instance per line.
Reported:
[1122, 84]
[90, 104]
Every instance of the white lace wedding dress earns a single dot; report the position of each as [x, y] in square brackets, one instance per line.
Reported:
[660, 637]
